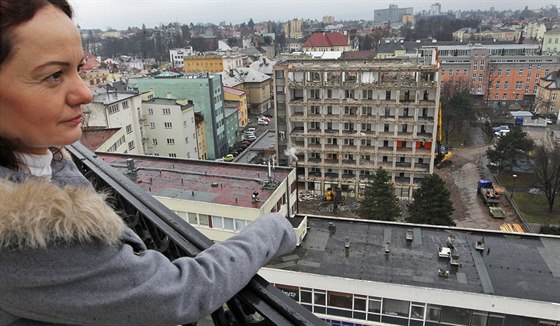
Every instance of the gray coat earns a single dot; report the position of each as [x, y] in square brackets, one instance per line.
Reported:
[67, 258]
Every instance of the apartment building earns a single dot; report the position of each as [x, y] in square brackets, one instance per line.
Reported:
[346, 118]
[201, 136]
[547, 100]
[207, 96]
[235, 95]
[393, 14]
[169, 128]
[499, 73]
[117, 110]
[551, 42]
[177, 57]
[256, 85]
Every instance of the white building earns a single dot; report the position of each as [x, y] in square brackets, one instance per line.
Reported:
[176, 56]
[217, 198]
[117, 110]
[169, 128]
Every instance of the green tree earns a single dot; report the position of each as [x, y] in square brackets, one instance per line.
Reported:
[547, 172]
[457, 110]
[251, 24]
[379, 201]
[432, 203]
[510, 148]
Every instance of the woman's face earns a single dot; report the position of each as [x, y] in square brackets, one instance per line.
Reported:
[41, 91]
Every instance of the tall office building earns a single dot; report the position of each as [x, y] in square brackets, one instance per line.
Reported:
[393, 14]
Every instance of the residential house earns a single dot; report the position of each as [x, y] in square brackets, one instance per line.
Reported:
[256, 85]
[332, 41]
[547, 99]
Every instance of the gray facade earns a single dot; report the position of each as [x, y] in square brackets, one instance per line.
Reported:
[345, 119]
[393, 14]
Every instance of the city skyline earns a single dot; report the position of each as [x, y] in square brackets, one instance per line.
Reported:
[121, 14]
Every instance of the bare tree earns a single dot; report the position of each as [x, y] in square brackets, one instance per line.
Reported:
[547, 172]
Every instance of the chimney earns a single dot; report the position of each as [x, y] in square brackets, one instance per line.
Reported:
[231, 73]
[131, 168]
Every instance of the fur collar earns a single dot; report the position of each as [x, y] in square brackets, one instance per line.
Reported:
[36, 213]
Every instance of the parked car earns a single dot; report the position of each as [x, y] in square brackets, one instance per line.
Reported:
[265, 118]
[250, 134]
[250, 137]
[262, 122]
[229, 158]
[251, 129]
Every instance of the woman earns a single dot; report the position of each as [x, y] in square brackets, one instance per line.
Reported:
[65, 256]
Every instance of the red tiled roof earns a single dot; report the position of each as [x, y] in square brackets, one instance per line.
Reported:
[326, 40]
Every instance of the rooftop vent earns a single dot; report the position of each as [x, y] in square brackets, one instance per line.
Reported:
[130, 166]
[332, 227]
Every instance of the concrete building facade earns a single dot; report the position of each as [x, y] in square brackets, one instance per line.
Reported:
[207, 96]
[170, 128]
[341, 120]
[393, 14]
[551, 42]
[118, 110]
[547, 100]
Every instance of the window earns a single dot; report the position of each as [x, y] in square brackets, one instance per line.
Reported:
[507, 72]
[175, 155]
[506, 84]
[280, 74]
[520, 73]
[497, 85]
[113, 108]
[519, 85]
[166, 111]
[131, 145]
[499, 72]
[349, 93]
[504, 97]
[170, 141]
[168, 125]
[367, 94]
[125, 105]
[150, 111]
[154, 141]
[152, 125]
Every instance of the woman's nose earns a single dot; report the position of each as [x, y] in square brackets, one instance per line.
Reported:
[79, 93]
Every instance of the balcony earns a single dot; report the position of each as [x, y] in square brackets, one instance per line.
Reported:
[167, 233]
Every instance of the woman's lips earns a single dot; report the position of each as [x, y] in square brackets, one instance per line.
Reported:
[75, 120]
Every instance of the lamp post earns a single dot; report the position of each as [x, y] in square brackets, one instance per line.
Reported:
[513, 185]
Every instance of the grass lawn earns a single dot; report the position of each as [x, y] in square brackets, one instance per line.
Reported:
[533, 207]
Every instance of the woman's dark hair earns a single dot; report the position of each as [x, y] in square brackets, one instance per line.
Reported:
[14, 13]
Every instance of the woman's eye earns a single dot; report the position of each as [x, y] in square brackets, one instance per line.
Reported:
[54, 77]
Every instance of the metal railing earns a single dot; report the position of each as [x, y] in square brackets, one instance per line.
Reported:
[259, 303]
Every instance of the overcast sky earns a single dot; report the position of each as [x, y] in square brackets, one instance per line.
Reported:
[121, 14]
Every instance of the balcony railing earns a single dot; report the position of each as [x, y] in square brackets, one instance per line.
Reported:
[259, 303]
